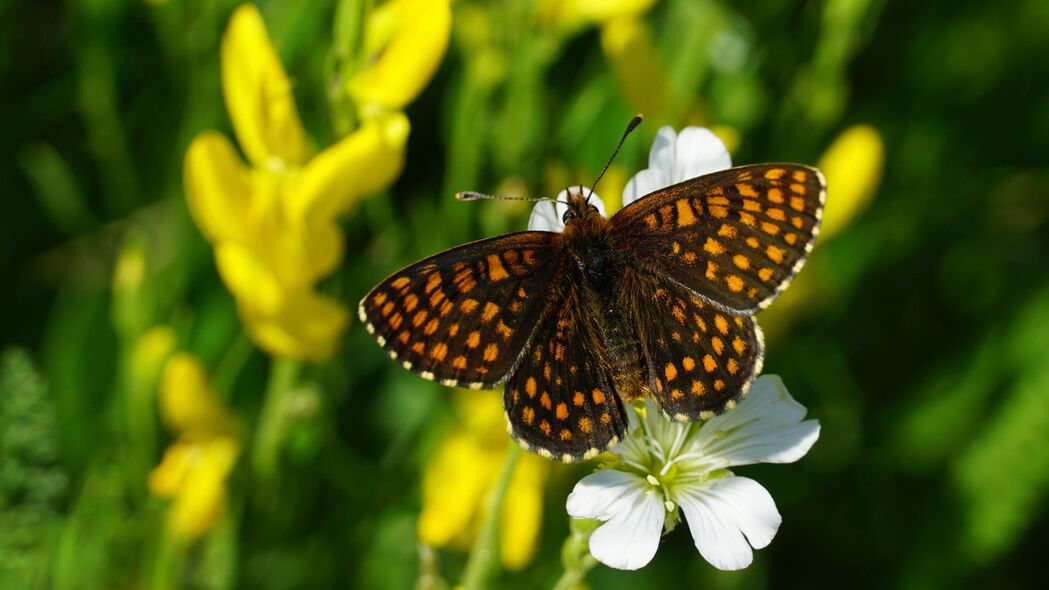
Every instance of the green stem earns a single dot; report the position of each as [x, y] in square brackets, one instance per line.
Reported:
[269, 433]
[575, 554]
[231, 363]
[485, 552]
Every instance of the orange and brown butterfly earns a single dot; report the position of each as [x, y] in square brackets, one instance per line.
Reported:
[658, 300]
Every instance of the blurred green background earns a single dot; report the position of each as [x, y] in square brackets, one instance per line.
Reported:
[918, 334]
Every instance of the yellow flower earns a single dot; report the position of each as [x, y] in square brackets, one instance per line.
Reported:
[404, 43]
[149, 353]
[273, 223]
[462, 472]
[852, 165]
[569, 14]
[194, 469]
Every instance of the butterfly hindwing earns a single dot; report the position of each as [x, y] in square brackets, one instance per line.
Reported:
[736, 237]
[560, 401]
[700, 358]
[463, 316]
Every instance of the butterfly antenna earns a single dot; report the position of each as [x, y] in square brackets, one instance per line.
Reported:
[630, 127]
[473, 196]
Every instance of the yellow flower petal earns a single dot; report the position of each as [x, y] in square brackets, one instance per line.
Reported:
[258, 93]
[218, 188]
[150, 351]
[166, 479]
[569, 13]
[248, 277]
[627, 44]
[522, 512]
[364, 162]
[306, 326]
[410, 56]
[202, 498]
[852, 165]
[188, 400]
[453, 487]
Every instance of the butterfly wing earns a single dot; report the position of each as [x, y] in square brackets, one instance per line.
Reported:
[560, 401]
[736, 237]
[700, 359]
[463, 316]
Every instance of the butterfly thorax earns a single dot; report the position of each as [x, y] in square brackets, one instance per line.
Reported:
[600, 266]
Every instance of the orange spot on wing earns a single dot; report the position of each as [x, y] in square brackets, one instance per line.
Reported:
[765, 274]
[712, 270]
[490, 309]
[565, 434]
[459, 362]
[732, 366]
[776, 214]
[685, 215]
[746, 190]
[727, 231]
[400, 282]
[439, 351]
[741, 261]
[545, 427]
[605, 418]
[790, 238]
[721, 323]
[491, 352]
[670, 371]
[419, 348]
[431, 326]
[798, 188]
[753, 242]
[585, 426]
[496, 272]
[395, 320]
[688, 363]
[714, 247]
[530, 387]
[775, 254]
[775, 195]
[719, 385]
[578, 398]
[775, 173]
[598, 396]
[468, 305]
[562, 411]
[544, 400]
[797, 203]
[769, 228]
[747, 218]
[719, 212]
[739, 345]
[697, 388]
[386, 309]
[709, 364]
[528, 415]
[751, 205]
[735, 283]
[474, 339]
[504, 330]
[717, 345]
[419, 318]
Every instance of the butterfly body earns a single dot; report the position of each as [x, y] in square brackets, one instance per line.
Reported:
[658, 300]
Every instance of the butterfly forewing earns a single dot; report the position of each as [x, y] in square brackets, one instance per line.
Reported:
[736, 237]
[700, 358]
[560, 400]
[463, 316]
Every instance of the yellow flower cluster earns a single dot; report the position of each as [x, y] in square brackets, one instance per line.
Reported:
[463, 471]
[273, 221]
[194, 469]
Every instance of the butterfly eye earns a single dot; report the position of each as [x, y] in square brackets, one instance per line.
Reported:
[593, 209]
[568, 216]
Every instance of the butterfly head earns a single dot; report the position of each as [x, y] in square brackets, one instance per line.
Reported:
[581, 210]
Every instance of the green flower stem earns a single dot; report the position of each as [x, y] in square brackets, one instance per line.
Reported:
[485, 553]
[271, 427]
[575, 554]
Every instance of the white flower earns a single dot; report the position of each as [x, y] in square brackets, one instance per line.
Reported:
[663, 465]
[676, 157]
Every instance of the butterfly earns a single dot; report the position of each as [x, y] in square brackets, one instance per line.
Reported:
[659, 300]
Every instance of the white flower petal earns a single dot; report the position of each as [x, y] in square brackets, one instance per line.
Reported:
[728, 515]
[601, 494]
[647, 181]
[698, 151]
[676, 157]
[545, 218]
[629, 540]
[548, 215]
[766, 427]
